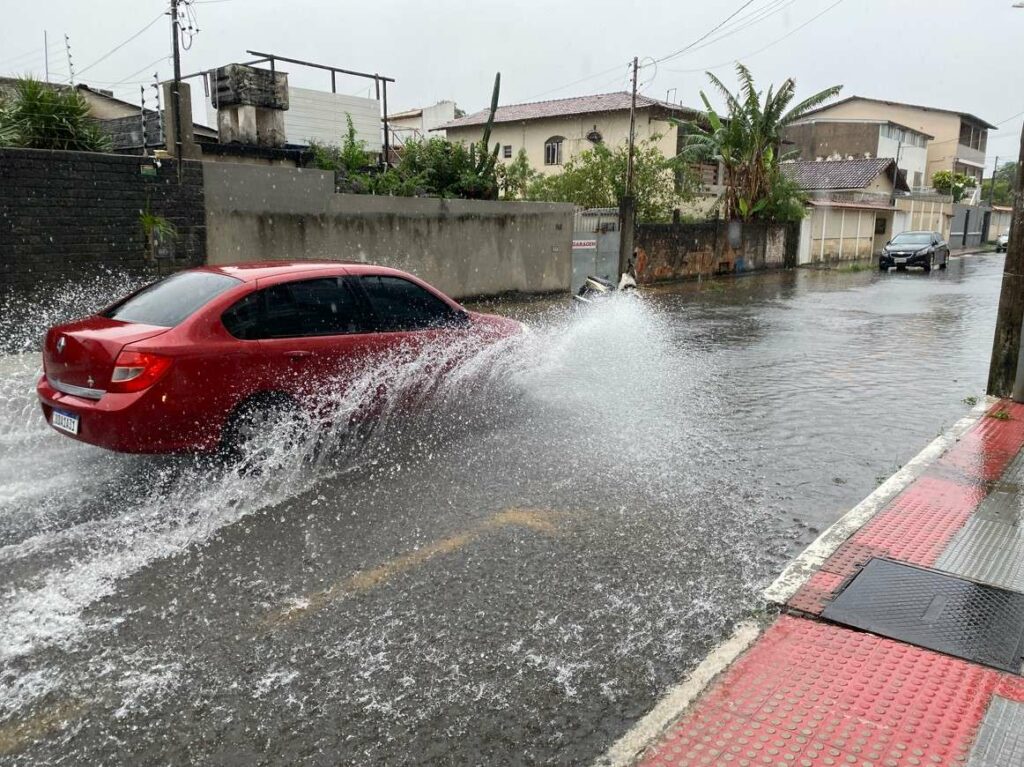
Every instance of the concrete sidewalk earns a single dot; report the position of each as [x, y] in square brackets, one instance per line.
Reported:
[901, 638]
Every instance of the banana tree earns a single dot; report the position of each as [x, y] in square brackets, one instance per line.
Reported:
[747, 139]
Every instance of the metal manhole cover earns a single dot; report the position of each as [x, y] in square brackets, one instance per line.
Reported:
[930, 609]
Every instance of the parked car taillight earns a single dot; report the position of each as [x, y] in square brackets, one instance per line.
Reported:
[135, 371]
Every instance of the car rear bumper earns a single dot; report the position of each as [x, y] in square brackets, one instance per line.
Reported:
[128, 423]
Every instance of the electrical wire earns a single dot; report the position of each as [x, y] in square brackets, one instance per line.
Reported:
[581, 80]
[764, 48]
[118, 47]
[743, 23]
[707, 34]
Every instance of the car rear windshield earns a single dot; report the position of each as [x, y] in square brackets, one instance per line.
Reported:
[912, 238]
[168, 302]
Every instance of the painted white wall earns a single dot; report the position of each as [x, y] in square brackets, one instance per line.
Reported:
[913, 159]
[320, 116]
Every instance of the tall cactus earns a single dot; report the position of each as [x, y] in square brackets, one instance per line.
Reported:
[487, 159]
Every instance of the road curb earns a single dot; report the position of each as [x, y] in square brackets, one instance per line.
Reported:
[674, 703]
[629, 747]
[810, 559]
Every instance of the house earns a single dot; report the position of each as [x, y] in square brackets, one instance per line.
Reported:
[120, 119]
[832, 138]
[417, 123]
[553, 132]
[851, 213]
[958, 139]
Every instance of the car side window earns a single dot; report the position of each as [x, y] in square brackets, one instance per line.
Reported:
[319, 307]
[399, 304]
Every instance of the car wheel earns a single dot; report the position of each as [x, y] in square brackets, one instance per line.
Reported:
[883, 268]
[945, 262]
[928, 266]
[259, 426]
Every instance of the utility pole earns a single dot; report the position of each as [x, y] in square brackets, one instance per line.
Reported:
[627, 209]
[176, 87]
[632, 133]
[46, 56]
[992, 190]
[1002, 369]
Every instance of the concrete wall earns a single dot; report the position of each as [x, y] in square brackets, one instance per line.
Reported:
[1000, 222]
[842, 234]
[680, 251]
[927, 213]
[67, 215]
[533, 134]
[464, 247]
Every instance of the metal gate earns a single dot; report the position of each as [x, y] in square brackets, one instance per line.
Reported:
[595, 245]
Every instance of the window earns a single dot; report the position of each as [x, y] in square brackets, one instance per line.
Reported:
[168, 302]
[402, 305]
[506, 151]
[320, 307]
[553, 150]
[918, 179]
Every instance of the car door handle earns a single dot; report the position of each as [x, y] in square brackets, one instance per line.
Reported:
[298, 354]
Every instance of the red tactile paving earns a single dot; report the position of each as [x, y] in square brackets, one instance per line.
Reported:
[987, 449]
[810, 693]
[915, 528]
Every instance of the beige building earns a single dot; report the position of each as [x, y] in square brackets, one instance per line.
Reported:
[851, 213]
[959, 139]
[552, 132]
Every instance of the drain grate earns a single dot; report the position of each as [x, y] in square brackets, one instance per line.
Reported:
[941, 612]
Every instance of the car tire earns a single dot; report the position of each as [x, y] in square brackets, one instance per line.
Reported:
[928, 266]
[883, 268]
[269, 413]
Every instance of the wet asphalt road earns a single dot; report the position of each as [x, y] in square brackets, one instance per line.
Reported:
[512, 575]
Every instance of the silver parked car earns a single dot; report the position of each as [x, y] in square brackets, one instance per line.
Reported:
[1001, 242]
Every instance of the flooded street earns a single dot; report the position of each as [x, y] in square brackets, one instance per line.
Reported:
[510, 572]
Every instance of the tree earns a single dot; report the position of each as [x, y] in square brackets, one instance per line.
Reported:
[42, 116]
[596, 178]
[953, 184]
[515, 178]
[747, 141]
[1003, 178]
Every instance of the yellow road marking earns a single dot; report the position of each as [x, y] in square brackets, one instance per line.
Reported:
[20, 733]
[538, 520]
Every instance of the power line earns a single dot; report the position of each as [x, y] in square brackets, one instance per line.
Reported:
[745, 22]
[764, 48]
[707, 34]
[616, 68]
[118, 47]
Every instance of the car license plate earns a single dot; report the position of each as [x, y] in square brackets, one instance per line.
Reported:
[64, 421]
[899, 260]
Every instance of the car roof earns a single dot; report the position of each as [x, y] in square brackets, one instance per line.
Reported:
[257, 270]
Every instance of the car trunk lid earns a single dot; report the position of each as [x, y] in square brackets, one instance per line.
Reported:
[79, 357]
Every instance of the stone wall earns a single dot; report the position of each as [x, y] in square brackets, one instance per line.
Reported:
[67, 215]
[681, 251]
[467, 248]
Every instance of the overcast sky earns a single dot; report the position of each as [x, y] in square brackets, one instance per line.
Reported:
[956, 54]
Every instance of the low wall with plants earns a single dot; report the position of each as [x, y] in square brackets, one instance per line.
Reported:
[681, 251]
[69, 215]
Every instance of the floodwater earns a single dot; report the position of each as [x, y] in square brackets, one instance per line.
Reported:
[511, 571]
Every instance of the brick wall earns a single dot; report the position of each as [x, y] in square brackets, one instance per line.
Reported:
[69, 215]
[680, 251]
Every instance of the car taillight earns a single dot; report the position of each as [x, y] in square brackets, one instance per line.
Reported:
[135, 371]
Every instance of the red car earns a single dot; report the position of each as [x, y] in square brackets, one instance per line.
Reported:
[175, 366]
